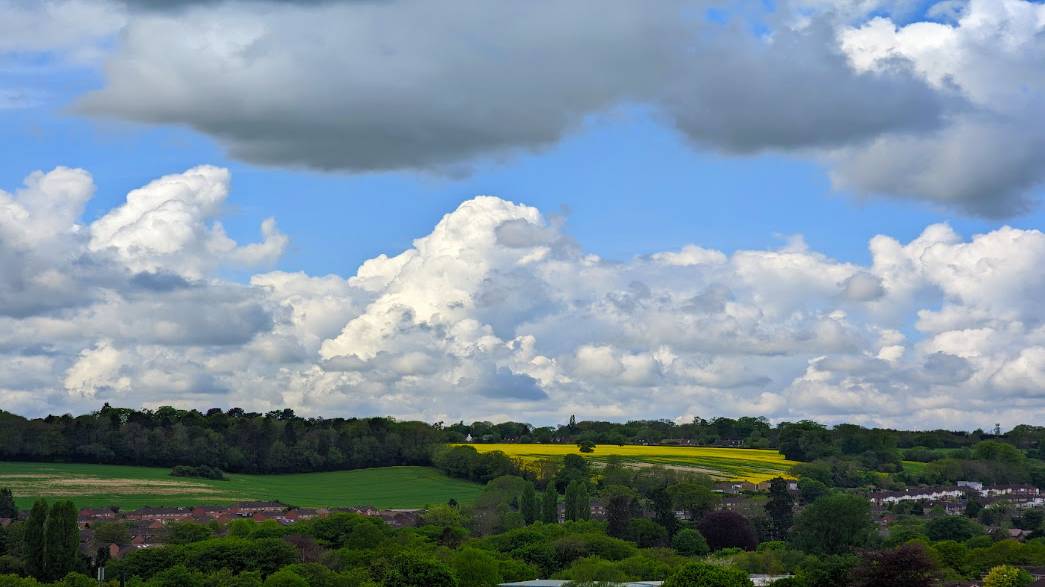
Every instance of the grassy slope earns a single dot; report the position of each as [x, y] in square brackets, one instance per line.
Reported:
[131, 487]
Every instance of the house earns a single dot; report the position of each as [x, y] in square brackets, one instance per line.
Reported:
[253, 507]
[164, 514]
[763, 580]
[925, 493]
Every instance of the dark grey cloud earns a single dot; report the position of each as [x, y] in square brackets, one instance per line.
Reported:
[741, 94]
[505, 385]
[366, 93]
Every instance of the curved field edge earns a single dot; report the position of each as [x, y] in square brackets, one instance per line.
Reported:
[133, 487]
[733, 464]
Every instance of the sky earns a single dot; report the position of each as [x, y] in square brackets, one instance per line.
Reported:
[823, 209]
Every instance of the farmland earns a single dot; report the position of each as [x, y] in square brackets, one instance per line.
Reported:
[720, 463]
[132, 487]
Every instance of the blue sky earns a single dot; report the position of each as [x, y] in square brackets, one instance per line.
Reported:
[626, 184]
[801, 209]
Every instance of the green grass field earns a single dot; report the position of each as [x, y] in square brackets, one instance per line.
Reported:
[132, 487]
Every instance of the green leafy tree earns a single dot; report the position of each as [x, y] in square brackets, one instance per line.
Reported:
[7, 504]
[528, 503]
[780, 507]
[646, 533]
[178, 576]
[833, 524]
[810, 490]
[696, 499]
[577, 501]
[77, 580]
[476, 568]
[550, 505]
[411, 569]
[34, 539]
[187, 532]
[689, 542]
[61, 540]
[586, 446]
[957, 528]
[285, 578]
[826, 571]
[705, 575]
[106, 533]
[1007, 576]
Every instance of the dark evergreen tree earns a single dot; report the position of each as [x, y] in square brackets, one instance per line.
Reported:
[528, 503]
[34, 539]
[780, 508]
[619, 503]
[550, 505]
[7, 504]
[664, 511]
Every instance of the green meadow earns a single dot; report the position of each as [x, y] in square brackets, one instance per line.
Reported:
[133, 487]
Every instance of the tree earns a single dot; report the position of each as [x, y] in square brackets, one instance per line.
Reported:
[106, 533]
[577, 501]
[689, 542]
[34, 539]
[285, 578]
[528, 503]
[187, 532]
[1007, 576]
[476, 568]
[664, 510]
[411, 569]
[810, 490]
[550, 505]
[619, 503]
[827, 571]
[61, 540]
[908, 565]
[7, 504]
[726, 529]
[957, 528]
[833, 524]
[705, 575]
[586, 446]
[695, 498]
[780, 508]
[646, 533]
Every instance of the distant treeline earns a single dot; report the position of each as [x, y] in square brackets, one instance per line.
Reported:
[238, 441]
[234, 440]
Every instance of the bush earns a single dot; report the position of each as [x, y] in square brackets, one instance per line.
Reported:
[689, 542]
[705, 575]
[202, 471]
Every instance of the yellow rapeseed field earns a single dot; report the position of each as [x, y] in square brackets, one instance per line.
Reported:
[739, 464]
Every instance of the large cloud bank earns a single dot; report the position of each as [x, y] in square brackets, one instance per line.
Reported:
[942, 105]
[498, 313]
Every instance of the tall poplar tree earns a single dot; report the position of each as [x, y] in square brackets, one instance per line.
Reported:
[578, 504]
[34, 539]
[550, 504]
[528, 503]
[61, 540]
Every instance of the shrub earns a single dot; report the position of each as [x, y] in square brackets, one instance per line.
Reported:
[689, 542]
